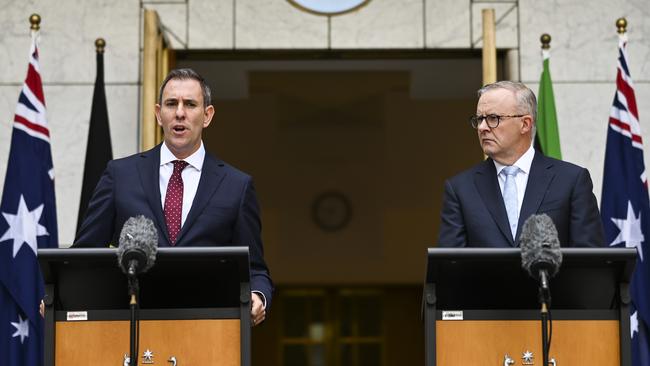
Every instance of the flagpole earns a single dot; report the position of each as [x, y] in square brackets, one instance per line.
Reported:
[489, 52]
[621, 28]
[28, 206]
[625, 206]
[100, 44]
[489, 47]
[546, 41]
[35, 20]
[631, 310]
[621, 24]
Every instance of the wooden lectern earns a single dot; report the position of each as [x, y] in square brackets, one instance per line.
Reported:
[480, 308]
[194, 307]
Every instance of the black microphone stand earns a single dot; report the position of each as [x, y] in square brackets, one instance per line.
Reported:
[545, 301]
[134, 335]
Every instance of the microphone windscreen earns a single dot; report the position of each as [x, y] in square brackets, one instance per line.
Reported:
[540, 246]
[138, 235]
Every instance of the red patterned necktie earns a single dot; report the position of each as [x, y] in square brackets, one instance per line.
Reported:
[174, 201]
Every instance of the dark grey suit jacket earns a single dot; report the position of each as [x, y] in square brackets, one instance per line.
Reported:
[474, 215]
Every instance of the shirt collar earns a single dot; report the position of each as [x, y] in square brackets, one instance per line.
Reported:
[195, 160]
[524, 163]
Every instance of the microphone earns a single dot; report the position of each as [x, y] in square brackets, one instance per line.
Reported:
[138, 245]
[540, 249]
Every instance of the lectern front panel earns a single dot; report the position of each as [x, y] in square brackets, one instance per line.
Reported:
[189, 342]
[489, 342]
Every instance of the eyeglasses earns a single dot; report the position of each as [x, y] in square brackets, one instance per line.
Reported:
[492, 120]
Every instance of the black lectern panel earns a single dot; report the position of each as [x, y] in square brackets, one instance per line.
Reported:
[477, 278]
[89, 279]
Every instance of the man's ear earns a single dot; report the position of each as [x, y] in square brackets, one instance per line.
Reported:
[157, 112]
[208, 114]
[527, 126]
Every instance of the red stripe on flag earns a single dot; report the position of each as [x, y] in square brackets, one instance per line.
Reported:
[34, 83]
[626, 127]
[620, 124]
[628, 92]
[32, 126]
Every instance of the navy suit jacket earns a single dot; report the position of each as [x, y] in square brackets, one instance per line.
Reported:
[224, 212]
[474, 215]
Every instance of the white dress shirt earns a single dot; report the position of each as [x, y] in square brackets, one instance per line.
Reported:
[521, 179]
[191, 176]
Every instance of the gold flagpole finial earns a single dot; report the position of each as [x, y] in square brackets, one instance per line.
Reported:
[546, 41]
[35, 20]
[100, 44]
[621, 24]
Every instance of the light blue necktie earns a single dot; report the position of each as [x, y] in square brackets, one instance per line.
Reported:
[510, 197]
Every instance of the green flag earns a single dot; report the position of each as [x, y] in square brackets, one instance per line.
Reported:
[548, 135]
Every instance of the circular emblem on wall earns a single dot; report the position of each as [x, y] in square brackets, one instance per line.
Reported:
[329, 7]
[331, 211]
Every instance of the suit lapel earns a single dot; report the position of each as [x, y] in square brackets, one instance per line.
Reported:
[539, 179]
[211, 177]
[487, 185]
[149, 171]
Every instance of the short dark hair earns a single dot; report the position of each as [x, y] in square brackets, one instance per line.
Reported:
[184, 74]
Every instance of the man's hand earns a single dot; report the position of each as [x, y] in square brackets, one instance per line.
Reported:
[41, 309]
[258, 313]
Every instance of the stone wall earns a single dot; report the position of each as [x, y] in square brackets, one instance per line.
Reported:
[583, 61]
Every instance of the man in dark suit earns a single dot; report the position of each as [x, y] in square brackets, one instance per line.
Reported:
[487, 205]
[193, 198]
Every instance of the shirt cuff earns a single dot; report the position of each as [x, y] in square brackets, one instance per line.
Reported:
[262, 296]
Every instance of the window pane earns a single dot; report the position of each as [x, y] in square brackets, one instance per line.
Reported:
[370, 354]
[317, 355]
[317, 309]
[346, 316]
[347, 357]
[370, 316]
[295, 317]
[295, 355]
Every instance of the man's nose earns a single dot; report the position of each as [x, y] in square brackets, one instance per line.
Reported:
[482, 125]
[180, 110]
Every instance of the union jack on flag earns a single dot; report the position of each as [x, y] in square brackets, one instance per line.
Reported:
[27, 222]
[625, 207]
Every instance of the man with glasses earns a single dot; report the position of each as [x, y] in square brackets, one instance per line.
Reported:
[487, 205]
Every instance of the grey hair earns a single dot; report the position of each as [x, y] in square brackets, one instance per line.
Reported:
[185, 74]
[526, 100]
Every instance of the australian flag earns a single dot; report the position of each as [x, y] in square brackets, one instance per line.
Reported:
[625, 207]
[27, 222]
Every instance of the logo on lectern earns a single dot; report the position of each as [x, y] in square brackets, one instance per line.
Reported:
[527, 358]
[147, 357]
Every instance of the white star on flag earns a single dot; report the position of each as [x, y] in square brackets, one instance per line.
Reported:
[634, 324]
[630, 231]
[24, 227]
[22, 329]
